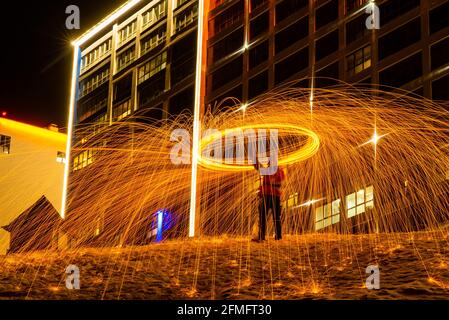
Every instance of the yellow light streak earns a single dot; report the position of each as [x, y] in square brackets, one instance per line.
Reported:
[104, 23]
[32, 130]
[65, 182]
[308, 150]
[197, 118]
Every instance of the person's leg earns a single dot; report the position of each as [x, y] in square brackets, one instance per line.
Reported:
[262, 217]
[276, 207]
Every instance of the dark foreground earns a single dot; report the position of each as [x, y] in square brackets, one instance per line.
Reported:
[412, 266]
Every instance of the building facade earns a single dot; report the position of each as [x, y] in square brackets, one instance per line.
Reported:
[142, 59]
[257, 45]
[32, 166]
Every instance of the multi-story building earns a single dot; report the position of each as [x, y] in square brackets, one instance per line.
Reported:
[256, 45]
[142, 59]
[31, 170]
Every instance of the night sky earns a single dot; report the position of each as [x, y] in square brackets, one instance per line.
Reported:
[36, 57]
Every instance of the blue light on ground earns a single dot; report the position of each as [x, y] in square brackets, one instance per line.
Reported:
[160, 219]
[163, 223]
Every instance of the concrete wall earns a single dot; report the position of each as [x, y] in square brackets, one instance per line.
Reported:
[29, 171]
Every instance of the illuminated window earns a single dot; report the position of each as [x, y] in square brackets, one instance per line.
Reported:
[180, 3]
[151, 89]
[358, 61]
[95, 55]
[95, 126]
[83, 159]
[88, 107]
[327, 215]
[122, 110]
[358, 202]
[154, 14]
[99, 123]
[94, 82]
[292, 200]
[186, 17]
[86, 157]
[153, 39]
[126, 58]
[127, 32]
[5, 144]
[60, 157]
[152, 67]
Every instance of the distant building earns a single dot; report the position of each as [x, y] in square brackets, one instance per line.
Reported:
[31, 166]
[37, 228]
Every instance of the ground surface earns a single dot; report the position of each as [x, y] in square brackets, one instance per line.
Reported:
[412, 266]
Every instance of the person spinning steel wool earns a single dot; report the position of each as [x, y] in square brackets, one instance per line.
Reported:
[270, 198]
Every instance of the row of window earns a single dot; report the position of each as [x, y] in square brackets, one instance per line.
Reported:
[356, 203]
[96, 55]
[152, 67]
[182, 20]
[94, 81]
[125, 58]
[153, 39]
[185, 18]
[389, 44]
[124, 34]
[324, 14]
[90, 106]
[122, 110]
[97, 125]
[83, 159]
[283, 39]
[154, 14]
[127, 32]
[87, 157]
[355, 62]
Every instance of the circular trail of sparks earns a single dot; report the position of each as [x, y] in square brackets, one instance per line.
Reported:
[296, 155]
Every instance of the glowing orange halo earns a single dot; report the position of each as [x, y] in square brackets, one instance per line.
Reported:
[306, 151]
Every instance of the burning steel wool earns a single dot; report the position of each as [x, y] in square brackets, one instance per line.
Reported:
[366, 171]
[357, 162]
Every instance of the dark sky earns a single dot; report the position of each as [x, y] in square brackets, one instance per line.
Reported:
[36, 57]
